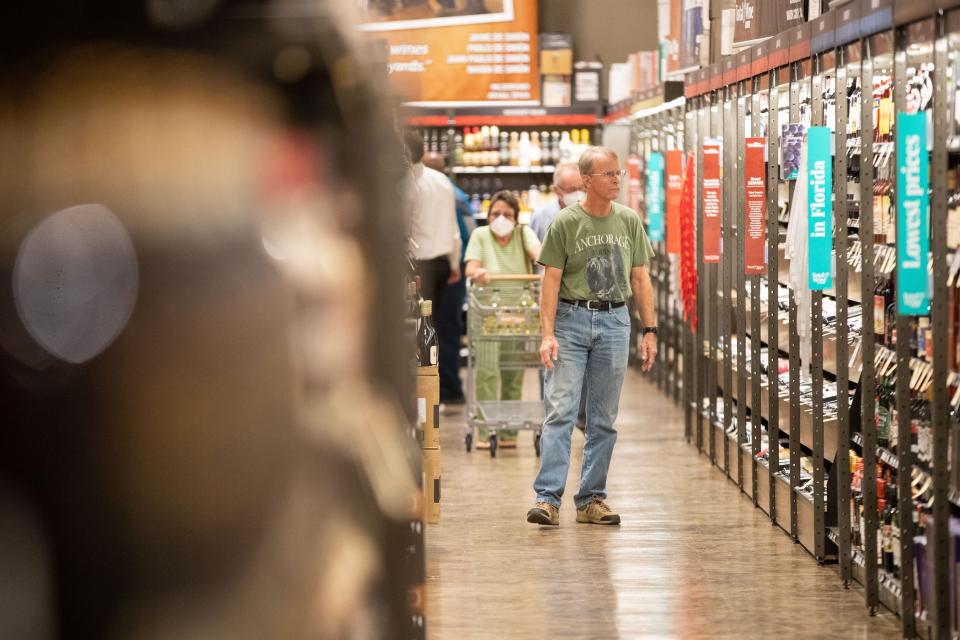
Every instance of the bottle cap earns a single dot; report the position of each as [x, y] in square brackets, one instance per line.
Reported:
[426, 308]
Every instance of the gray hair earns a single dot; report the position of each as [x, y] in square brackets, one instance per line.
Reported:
[563, 166]
[591, 154]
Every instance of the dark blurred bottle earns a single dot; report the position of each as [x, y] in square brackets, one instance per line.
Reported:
[426, 337]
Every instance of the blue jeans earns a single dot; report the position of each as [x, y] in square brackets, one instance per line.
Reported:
[595, 345]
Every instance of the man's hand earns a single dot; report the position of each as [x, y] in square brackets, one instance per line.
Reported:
[454, 276]
[481, 277]
[648, 351]
[549, 351]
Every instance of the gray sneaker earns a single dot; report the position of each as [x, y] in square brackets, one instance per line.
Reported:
[597, 512]
[544, 513]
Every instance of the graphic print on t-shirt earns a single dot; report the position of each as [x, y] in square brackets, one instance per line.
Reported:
[604, 270]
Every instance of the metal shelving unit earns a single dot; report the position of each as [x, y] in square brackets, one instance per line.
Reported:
[833, 73]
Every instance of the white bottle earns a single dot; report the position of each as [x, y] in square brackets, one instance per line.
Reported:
[566, 147]
[523, 150]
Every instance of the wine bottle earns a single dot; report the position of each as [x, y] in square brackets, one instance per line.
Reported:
[426, 336]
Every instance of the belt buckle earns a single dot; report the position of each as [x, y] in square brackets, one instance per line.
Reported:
[592, 308]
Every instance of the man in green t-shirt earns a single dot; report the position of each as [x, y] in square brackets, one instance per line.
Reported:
[595, 259]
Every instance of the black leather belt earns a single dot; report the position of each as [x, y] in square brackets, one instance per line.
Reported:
[594, 305]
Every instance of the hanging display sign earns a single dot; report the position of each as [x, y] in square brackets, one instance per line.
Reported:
[819, 208]
[655, 197]
[913, 215]
[755, 212]
[711, 203]
[674, 192]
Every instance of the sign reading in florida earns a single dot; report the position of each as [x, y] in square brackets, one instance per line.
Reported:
[755, 212]
[655, 197]
[819, 208]
[674, 191]
[712, 208]
[913, 215]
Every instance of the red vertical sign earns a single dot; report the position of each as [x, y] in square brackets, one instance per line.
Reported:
[711, 203]
[674, 175]
[755, 192]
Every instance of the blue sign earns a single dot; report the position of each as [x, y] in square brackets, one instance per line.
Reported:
[819, 208]
[913, 215]
[655, 166]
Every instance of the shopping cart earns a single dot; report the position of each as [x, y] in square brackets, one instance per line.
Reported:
[503, 334]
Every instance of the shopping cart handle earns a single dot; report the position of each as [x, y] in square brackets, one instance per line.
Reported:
[520, 277]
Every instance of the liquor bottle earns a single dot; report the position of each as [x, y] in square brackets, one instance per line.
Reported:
[923, 329]
[880, 310]
[504, 149]
[536, 153]
[523, 150]
[434, 141]
[413, 307]
[494, 140]
[585, 138]
[514, 149]
[426, 336]
[575, 149]
[565, 146]
[546, 155]
[555, 147]
[458, 150]
[445, 137]
[888, 538]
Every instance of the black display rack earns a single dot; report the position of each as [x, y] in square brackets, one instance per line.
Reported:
[815, 447]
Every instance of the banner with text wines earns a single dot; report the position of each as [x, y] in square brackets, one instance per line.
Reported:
[462, 57]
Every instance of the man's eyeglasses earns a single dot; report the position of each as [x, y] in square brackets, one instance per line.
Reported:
[610, 174]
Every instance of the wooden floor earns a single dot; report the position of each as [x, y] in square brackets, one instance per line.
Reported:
[692, 559]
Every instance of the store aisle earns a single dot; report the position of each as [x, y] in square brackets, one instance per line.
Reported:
[693, 558]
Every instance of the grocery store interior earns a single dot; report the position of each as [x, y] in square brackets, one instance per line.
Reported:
[440, 319]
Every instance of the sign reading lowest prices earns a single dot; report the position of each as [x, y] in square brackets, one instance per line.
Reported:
[913, 215]
[755, 193]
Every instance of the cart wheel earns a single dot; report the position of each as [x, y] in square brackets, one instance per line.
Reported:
[468, 440]
[536, 444]
[493, 445]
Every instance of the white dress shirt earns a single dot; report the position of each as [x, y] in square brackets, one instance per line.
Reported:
[433, 227]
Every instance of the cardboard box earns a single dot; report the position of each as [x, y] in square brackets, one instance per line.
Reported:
[555, 91]
[556, 63]
[586, 82]
[431, 486]
[428, 410]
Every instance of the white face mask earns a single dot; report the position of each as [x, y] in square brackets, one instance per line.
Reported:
[572, 198]
[502, 226]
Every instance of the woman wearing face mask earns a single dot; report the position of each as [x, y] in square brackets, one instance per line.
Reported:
[500, 248]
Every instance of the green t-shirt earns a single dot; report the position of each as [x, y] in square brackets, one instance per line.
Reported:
[596, 254]
[497, 260]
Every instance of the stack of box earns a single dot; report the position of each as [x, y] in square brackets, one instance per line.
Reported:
[556, 68]
[428, 432]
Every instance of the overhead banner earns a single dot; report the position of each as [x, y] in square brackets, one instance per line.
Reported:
[459, 54]
[755, 212]
[674, 192]
[655, 197]
[711, 203]
[913, 215]
[819, 208]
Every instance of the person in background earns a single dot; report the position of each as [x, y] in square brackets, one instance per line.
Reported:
[595, 259]
[568, 186]
[500, 248]
[449, 314]
[434, 234]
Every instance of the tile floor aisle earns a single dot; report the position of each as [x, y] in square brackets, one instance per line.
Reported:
[692, 559]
